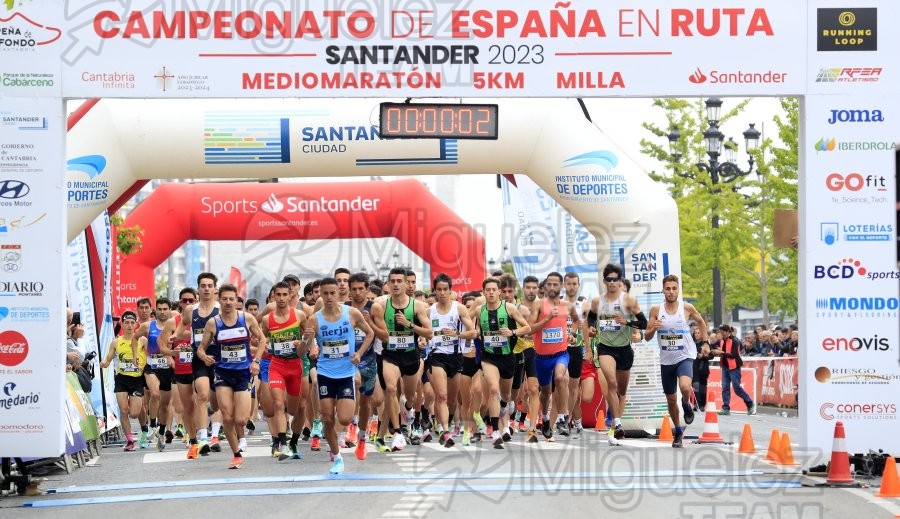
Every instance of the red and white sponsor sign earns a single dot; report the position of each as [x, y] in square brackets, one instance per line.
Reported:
[13, 348]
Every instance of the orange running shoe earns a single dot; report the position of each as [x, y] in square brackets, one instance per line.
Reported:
[361, 450]
[236, 462]
[193, 452]
[315, 444]
[352, 431]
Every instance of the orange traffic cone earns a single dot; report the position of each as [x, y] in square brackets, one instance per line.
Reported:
[890, 483]
[711, 426]
[785, 453]
[772, 453]
[665, 431]
[747, 446]
[839, 469]
[601, 419]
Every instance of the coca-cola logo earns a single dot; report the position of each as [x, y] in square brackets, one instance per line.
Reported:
[13, 348]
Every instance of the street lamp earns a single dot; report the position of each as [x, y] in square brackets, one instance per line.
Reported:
[491, 265]
[396, 259]
[725, 172]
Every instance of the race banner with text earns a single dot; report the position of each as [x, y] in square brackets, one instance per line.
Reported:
[480, 48]
[32, 324]
[102, 390]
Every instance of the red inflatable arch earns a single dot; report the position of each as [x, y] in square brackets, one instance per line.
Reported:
[403, 209]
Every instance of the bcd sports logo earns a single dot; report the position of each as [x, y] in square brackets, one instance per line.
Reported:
[858, 411]
[844, 269]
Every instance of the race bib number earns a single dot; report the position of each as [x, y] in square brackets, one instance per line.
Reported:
[360, 337]
[447, 341]
[157, 362]
[608, 325]
[552, 335]
[401, 342]
[186, 356]
[671, 342]
[284, 349]
[128, 367]
[335, 350]
[198, 338]
[234, 354]
[496, 344]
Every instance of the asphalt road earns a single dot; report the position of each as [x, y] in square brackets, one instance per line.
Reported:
[643, 478]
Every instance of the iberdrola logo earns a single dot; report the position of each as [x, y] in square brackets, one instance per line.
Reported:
[823, 145]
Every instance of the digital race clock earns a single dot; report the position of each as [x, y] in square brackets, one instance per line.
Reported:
[437, 121]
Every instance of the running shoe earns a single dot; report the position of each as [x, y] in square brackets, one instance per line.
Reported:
[372, 429]
[676, 442]
[688, 413]
[251, 426]
[562, 428]
[752, 409]
[611, 437]
[317, 428]
[506, 437]
[547, 430]
[619, 432]
[724, 412]
[204, 448]
[242, 444]
[426, 436]
[380, 445]
[361, 450]
[456, 430]
[169, 436]
[143, 443]
[338, 466]
[215, 445]
[522, 427]
[350, 440]
[466, 438]
[476, 436]
[236, 462]
[160, 443]
[221, 436]
[532, 437]
[447, 440]
[305, 435]
[441, 438]
[398, 443]
[151, 435]
[608, 421]
[342, 443]
[295, 453]
[352, 434]
[281, 452]
[316, 444]
[193, 452]
[129, 447]
[179, 431]
[577, 432]
[497, 440]
[479, 421]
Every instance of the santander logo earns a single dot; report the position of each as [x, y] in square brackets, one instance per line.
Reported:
[698, 77]
[271, 205]
[13, 348]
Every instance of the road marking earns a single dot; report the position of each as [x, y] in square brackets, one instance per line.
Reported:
[529, 488]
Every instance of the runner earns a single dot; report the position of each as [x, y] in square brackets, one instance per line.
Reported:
[231, 331]
[332, 327]
[676, 351]
[183, 355]
[469, 396]
[445, 360]
[551, 339]
[283, 328]
[158, 375]
[615, 355]
[398, 322]
[508, 294]
[576, 352]
[530, 306]
[370, 394]
[131, 357]
[500, 326]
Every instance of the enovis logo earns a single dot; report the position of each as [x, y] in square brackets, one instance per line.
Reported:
[875, 343]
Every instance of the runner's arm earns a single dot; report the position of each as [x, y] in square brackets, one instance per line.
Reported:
[379, 323]
[110, 353]
[358, 321]
[652, 323]
[422, 316]
[524, 328]
[469, 325]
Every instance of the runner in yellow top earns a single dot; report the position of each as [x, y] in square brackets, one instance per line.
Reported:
[131, 358]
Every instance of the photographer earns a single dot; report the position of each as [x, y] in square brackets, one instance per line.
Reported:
[74, 331]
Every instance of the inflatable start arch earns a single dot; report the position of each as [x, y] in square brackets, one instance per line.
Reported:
[403, 209]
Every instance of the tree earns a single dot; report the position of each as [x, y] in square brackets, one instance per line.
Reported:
[128, 239]
[755, 274]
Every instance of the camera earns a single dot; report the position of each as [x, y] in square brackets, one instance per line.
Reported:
[76, 318]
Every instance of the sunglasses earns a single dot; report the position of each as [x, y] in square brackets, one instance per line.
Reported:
[187, 301]
[610, 280]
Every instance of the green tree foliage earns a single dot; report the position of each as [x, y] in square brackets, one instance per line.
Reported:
[744, 205]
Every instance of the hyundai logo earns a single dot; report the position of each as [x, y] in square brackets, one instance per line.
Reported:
[12, 189]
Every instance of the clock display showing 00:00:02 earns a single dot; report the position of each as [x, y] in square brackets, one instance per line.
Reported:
[438, 121]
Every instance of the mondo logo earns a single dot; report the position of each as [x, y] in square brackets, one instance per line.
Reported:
[858, 410]
[13, 348]
[844, 269]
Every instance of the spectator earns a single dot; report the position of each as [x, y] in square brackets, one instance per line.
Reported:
[765, 344]
[74, 331]
[749, 347]
[730, 353]
[701, 372]
[792, 346]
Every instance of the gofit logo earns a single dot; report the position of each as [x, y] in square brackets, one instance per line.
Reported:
[845, 269]
[737, 77]
[858, 410]
[854, 182]
[13, 348]
[875, 343]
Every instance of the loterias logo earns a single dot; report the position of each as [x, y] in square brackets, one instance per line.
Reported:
[854, 376]
[736, 77]
[832, 144]
[858, 411]
[851, 29]
[875, 343]
[832, 232]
